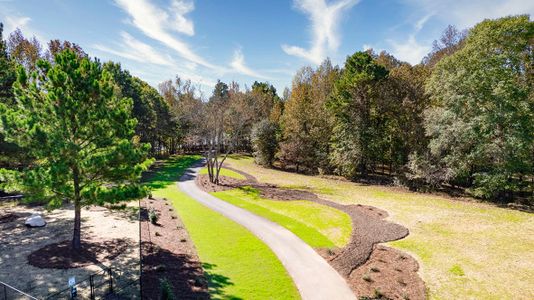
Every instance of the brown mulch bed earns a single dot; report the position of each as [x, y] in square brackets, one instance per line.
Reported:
[390, 272]
[395, 279]
[61, 255]
[169, 254]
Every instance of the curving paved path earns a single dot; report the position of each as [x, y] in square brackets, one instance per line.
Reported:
[313, 276]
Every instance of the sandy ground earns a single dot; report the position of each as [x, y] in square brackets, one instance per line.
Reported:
[18, 241]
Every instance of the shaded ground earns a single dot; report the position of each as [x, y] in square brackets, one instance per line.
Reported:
[61, 256]
[19, 244]
[353, 260]
[169, 254]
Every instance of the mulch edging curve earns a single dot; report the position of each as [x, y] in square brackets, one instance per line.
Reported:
[363, 262]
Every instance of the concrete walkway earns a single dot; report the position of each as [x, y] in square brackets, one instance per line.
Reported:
[313, 276]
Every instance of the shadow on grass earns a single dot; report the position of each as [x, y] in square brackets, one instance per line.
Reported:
[217, 283]
[165, 173]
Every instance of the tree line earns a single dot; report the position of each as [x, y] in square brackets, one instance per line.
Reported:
[462, 119]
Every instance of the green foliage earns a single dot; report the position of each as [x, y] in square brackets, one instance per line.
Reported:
[153, 216]
[10, 154]
[265, 142]
[482, 124]
[166, 290]
[69, 118]
[155, 123]
[306, 124]
[7, 71]
[355, 104]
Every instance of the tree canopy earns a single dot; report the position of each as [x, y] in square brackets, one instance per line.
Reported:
[481, 127]
[82, 135]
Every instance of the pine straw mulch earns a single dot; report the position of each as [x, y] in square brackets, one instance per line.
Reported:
[371, 269]
[169, 254]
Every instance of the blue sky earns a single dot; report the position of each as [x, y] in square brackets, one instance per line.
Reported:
[245, 40]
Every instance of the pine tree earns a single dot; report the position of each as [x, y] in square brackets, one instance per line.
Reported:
[79, 131]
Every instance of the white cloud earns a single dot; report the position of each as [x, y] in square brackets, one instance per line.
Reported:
[465, 14]
[238, 64]
[366, 47]
[409, 50]
[180, 8]
[324, 19]
[12, 23]
[136, 50]
[421, 22]
[158, 24]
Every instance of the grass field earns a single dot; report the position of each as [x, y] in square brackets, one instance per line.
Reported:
[318, 225]
[466, 249]
[238, 264]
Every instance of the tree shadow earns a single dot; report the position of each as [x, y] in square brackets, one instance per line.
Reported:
[217, 283]
[60, 255]
[181, 271]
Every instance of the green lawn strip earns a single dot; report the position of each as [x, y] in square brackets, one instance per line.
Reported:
[237, 263]
[318, 225]
[226, 172]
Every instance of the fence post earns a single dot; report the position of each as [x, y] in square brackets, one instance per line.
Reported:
[5, 292]
[110, 281]
[92, 287]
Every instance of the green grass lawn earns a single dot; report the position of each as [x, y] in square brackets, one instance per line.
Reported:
[238, 264]
[225, 172]
[318, 225]
[466, 249]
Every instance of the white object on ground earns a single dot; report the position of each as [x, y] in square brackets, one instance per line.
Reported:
[313, 276]
[35, 221]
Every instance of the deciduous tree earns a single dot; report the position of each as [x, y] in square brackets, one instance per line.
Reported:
[482, 125]
[355, 104]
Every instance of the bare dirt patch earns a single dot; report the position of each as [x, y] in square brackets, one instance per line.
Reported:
[169, 254]
[399, 279]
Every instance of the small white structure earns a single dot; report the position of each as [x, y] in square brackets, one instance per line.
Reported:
[35, 221]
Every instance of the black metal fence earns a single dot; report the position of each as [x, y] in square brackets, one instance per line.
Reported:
[9, 292]
[105, 284]
[108, 283]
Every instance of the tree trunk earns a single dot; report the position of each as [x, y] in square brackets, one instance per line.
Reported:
[76, 238]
